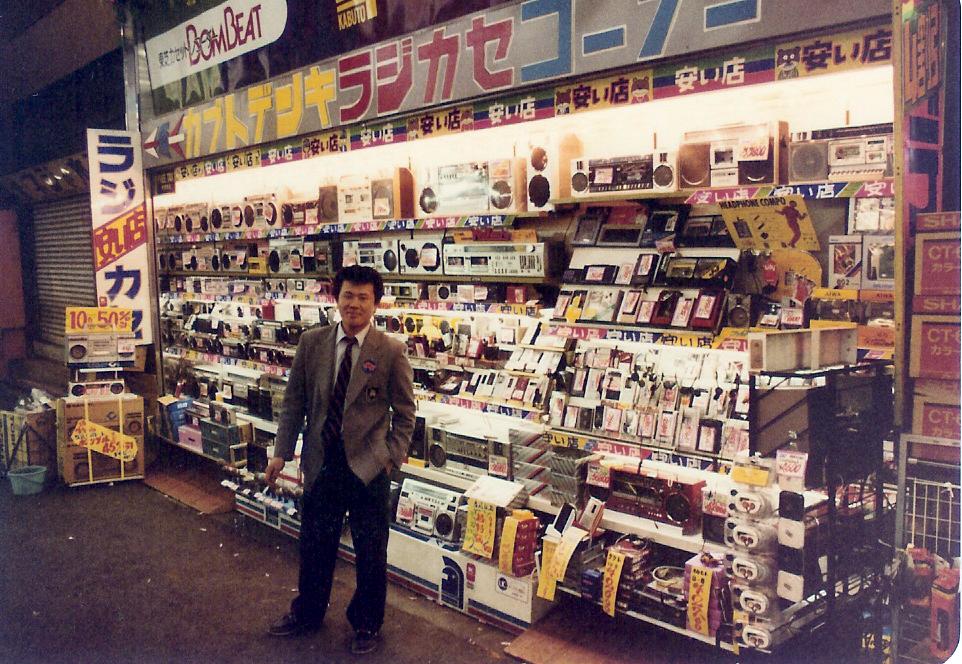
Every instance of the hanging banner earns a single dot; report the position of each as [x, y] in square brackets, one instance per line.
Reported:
[770, 223]
[828, 54]
[119, 216]
[499, 50]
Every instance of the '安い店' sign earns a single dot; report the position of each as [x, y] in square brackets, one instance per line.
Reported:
[512, 46]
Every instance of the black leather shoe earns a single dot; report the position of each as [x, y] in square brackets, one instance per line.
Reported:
[365, 641]
[290, 625]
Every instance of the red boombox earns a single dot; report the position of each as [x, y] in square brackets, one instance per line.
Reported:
[672, 501]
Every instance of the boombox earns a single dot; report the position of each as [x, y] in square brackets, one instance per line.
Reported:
[299, 213]
[285, 255]
[327, 212]
[442, 293]
[97, 388]
[382, 255]
[547, 165]
[844, 153]
[614, 174]
[454, 189]
[104, 348]
[420, 255]
[456, 454]
[675, 502]
[260, 212]
[170, 261]
[429, 509]
[354, 199]
[321, 257]
[195, 218]
[734, 155]
[500, 258]
[200, 258]
[392, 194]
[403, 290]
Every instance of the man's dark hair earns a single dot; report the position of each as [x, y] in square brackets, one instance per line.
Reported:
[359, 274]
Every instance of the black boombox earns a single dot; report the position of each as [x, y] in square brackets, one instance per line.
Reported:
[675, 502]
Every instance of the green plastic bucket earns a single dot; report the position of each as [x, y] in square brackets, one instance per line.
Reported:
[28, 480]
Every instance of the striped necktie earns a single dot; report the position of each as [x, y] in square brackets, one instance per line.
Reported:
[335, 407]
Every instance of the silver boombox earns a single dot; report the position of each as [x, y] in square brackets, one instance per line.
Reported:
[456, 454]
[379, 254]
[429, 509]
[497, 258]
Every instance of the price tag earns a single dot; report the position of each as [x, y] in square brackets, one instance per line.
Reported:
[506, 548]
[105, 441]
[699, 594]
[569, 542]
[546, 584]
[748, 474]
[92, 320]
[599, 475]
[480, 532]
[498, 465]
[609, 590]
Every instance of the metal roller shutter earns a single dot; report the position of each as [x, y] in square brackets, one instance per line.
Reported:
[64, 263]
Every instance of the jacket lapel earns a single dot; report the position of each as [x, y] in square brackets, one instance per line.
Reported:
[369, 353]
[326, 374]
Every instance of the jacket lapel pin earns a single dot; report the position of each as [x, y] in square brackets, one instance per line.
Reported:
[369, 366]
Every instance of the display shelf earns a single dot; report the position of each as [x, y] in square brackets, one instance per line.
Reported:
[623, 331]
[876, 188]
[486, 279]
[590, 441]
[247, 275]
[370, 226]
[438, 477]
[484, 405]
[664, 625]
[194, 451]
[224, 360]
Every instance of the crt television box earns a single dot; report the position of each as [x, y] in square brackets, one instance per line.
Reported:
[79, 467]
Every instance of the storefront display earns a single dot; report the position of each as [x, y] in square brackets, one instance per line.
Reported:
[598, 282]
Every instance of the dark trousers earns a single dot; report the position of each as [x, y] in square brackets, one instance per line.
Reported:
[335, 491]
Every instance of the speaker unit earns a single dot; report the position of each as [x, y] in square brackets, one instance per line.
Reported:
[418, 449]
[507, 179]
[327, 205]
[664, 174]
[548, 167]
[420, 256]
[285, 256]
[694, 164]
[392, 195]
[808, 161]
[739, 310]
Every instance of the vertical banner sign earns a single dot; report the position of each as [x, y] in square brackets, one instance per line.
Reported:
[699, 595]
[119, 215]
[609, 590]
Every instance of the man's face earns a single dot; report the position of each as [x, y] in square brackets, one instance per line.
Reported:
[356, 305]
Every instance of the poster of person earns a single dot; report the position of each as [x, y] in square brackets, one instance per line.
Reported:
[770, 223]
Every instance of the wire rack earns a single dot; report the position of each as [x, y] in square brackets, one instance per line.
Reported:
[930, 514]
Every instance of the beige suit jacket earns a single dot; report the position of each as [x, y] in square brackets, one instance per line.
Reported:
[379, 407]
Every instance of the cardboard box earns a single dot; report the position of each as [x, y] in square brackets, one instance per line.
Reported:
[189, 436]
[173, 414]
[844, 261]
[79, 465]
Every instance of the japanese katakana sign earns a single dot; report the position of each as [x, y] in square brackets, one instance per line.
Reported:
[518, 45]
[119, 217]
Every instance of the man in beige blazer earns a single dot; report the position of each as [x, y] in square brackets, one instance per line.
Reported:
[354, 386]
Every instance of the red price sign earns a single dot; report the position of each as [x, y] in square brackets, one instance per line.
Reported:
[938, 258]
[936, 346]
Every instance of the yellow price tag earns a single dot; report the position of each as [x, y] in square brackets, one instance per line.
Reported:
[80, 320]
[609, 589]
[480, 532]
[752, 475]
[546, 585]
[699, 595]
[506, 549]
[105, 441]
[562, 556]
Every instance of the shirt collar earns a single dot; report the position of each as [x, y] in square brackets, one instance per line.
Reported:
[360, 336]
